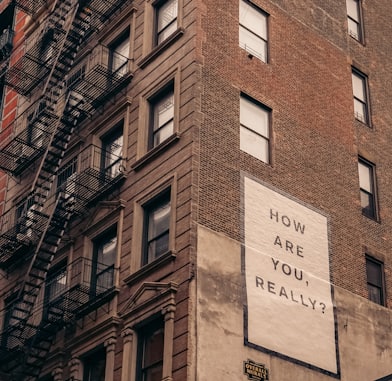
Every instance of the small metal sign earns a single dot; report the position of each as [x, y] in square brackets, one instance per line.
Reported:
[255, 371]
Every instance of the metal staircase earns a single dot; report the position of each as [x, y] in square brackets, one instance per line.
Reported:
[26, 342]
[61, 28]
[29, 341]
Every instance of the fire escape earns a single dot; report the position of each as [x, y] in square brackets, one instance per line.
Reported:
[38, 139]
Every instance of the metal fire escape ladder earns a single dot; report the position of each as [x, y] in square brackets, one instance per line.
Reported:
[46, 173]
[58, 220]
[38, 338]
[60, 134]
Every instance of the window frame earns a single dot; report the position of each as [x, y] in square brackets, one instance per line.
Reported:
[90, 360]
[124, 36]
[7, 26]
[149, 207]
[137, 269]
[371, 193]
[54, 273]
[144, 153]
[150, 47]
[24, 214]
[109, 139]
[157, 32]
[262, 56]
[153, 103]
[150, 301]
[67, 178]
[365, 102]
[359, 23]
[266, 139]
[97, 242]
[144, 332]
[381, 284]
[9, 303]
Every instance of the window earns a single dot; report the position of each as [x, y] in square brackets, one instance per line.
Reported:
[112, 152]
[367, 188]
[150, 351]
[119, 53]
[166, 19]
[24, 219]
[55, 286]
[375, 280]
[94, 366]
[35, 131]
[354, 12]
[156, 227]
[253, 30]
[6, 31]
[149, 315]
[104, 259]
[254, 129]
[9, 338]
[361, 97]
[66, 179]
[161, 116]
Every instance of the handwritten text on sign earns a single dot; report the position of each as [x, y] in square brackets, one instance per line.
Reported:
[288, 287]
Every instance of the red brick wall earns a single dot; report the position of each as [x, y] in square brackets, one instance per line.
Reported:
[315, 139]
[10, 101]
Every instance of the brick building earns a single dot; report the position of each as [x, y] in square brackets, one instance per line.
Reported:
[195, 190]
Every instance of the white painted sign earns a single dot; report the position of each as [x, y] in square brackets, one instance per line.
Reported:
[289, 301]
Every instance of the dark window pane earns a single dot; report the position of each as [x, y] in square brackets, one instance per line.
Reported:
[367, 204]
[157, 227]
[374, 273]
[94, 366]
[166, 19]
[162, 114]
[119, 52]
[367, 188]
[150, 351]
[104, 258]
[112, 153]
[374, 294]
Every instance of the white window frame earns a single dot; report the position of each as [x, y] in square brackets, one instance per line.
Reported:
[361, 96]
[165, 27]
[367, 185]
[253, 30]
[354, 19]
[255, 130]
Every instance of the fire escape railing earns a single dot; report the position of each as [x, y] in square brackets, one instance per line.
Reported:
[55, 51]
[88, 284]
[39, 52]
[30, 7]
[34, 65]
[97, 172]
[21, 228]
[101, 11]
[27, 137]
[80, 288]
[90, 84]
[98, 77]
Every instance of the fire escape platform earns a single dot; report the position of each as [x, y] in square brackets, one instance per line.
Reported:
[29, 140]
[31, 7]
[30, 70]
[99, 85]
[93, 285]
[17, 238]
[92, 184]
[34, 228]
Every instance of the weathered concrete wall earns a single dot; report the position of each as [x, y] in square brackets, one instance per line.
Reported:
[364, 328]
